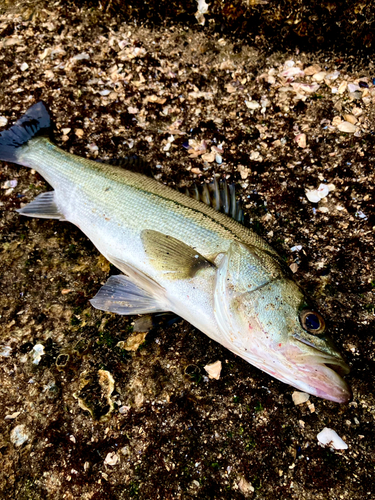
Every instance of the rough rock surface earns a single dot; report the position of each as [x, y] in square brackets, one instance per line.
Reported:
[104, 422]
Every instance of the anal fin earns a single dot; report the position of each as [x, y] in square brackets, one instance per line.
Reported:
[120, 295]
[43, 206]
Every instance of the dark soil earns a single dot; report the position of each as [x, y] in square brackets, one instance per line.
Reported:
[172, 434]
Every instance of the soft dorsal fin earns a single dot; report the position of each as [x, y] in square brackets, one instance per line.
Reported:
[219, 195]
[134, 163]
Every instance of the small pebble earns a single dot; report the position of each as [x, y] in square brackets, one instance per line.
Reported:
[218, 159]
[10, 184]
[92, 147]
[252, 105]
[350, 118]
[363, 85]
[132, 110]
[18, 435]
[245, 487]
[3, 121]
[24, 66]
[293, 267]
[301, 140]
[352, 87]
[319, 77]
[312, 70]
[133, 342]
[323, 210]
[81, 57]
[124, 409]
[300, 397]
[342, 87]
[12, 415]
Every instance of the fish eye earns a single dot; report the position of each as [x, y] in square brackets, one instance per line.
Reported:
[312, 322]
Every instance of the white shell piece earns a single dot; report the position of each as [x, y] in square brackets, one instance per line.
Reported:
[214, 370]
[315, 195]
[5, 350]
[329, 437]
[37, 353]
[111, 458]
[347, 127]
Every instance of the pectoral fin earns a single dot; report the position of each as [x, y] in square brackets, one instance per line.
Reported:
[120, 295]
[43, 206]
[176, 259]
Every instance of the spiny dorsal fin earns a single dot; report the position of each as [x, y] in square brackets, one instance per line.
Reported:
[176, 259]
[219, 195]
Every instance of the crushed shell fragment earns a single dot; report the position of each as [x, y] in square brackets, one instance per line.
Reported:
[347, 127]
[133, 342]
[37, 353]
[214, 370]
[18, 435]
[329, 437]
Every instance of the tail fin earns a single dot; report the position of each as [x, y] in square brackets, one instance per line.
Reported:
[34, 122]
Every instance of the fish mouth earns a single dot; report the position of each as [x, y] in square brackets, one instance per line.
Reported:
[325, 373]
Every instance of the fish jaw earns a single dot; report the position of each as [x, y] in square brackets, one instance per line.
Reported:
[320, 373]
[315, 373]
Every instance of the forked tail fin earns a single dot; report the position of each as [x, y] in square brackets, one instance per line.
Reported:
[36, 121]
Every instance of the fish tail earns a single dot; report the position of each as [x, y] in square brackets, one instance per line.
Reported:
[36, 121]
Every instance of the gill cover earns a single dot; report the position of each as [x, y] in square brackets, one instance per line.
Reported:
[241, 271]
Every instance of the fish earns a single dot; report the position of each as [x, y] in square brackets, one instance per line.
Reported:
[180, 255]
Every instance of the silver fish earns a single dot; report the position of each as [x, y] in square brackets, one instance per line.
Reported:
[181, 255]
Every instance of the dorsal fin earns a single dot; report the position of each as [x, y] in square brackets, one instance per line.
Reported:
[219, 195]
[134, 163]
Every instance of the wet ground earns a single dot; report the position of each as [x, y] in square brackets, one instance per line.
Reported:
[81, 416]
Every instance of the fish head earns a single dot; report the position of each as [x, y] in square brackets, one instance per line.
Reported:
[273, 327]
